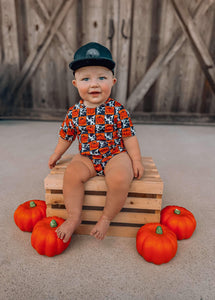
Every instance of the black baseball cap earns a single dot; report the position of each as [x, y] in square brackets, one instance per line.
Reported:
[92, 54]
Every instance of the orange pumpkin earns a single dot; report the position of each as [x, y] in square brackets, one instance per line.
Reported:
[179, 220]
[44, 238]
[156, 243]
[29, 213]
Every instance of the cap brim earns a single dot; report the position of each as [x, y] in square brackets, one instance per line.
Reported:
[75, 65]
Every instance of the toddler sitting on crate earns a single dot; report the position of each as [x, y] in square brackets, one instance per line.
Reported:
[107, 142]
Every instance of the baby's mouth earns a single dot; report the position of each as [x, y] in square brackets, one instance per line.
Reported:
[94, 93]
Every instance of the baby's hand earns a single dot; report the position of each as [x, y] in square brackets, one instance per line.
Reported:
[52, 160]
[138, 168]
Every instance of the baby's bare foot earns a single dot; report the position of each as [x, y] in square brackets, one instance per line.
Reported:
[101, 228]
[65, 231]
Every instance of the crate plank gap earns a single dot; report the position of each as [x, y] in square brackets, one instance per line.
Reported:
[143, 204]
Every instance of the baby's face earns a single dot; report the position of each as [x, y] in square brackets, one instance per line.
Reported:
[94, 84]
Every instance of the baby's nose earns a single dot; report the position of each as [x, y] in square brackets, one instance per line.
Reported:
[94, 82]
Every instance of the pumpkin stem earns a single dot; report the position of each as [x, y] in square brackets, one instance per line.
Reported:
[177, 211]
[159, 230]
[53, 223]
[32, 204]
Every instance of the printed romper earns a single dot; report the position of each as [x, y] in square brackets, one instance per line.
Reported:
[99, 130]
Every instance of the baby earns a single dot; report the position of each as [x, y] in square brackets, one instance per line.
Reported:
[107, 142]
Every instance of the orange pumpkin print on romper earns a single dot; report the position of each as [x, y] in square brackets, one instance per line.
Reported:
[90, 111]
[100, 136]
[123, 114]
[100, 119]
[109, 110]
[108, 128]
[82, 121]
[94, 145]
[75, 113]
[104, 150]
[126, 132]
[84, 138]
[90, 128]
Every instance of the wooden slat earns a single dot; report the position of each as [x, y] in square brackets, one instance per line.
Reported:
[99, 200]
[9, 34]
[189, 96]
[124, 20]
[92, 21]
[112, 8]
[175, 118]
[122, 217]
[141, 36]
[61, 168]
[149, 186]
[199, 47]
[112, 231]
[37, 54]
[35, 29]
[63, 45]
[52, 68]
[149, 169]
[9, 57]
[162, 60]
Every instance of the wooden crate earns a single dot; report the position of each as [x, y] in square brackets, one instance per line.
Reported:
[143, 204]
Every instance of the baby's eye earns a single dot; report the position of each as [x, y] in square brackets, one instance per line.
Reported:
[102, 78]
[85, 79]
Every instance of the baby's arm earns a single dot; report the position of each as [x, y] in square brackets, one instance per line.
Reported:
[60, 149]
[133, 149]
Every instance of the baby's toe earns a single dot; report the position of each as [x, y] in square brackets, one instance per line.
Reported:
[93, 231]
[98, 235]
[60, 234]
[66, 238]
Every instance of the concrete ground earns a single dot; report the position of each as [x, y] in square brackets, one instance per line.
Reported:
[112, 268]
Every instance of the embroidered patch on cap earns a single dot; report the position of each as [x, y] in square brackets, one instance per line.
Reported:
[92, 53]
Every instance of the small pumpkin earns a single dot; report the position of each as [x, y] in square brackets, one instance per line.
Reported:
[44, 238]
[156, 243]
[29, 213]
[179, 220]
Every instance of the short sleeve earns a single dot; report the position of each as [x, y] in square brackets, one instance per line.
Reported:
[125, 125]
[67, 129]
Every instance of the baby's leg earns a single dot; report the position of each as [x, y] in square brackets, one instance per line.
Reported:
[118, 176]
[76, 174]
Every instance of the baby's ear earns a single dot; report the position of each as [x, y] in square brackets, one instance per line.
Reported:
[74, 83]
[114, 80]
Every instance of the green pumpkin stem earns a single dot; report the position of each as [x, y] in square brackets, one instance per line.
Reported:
[53, 223]
[32, 204]
[159, 230]
[177, 211]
